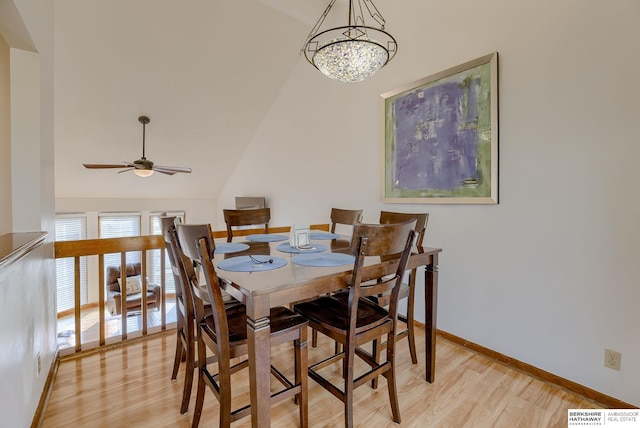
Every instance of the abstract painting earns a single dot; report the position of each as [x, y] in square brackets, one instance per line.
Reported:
[440, 137]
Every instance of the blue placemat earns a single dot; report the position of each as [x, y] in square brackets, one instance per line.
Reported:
[323, 235]
[252, 263]
[323, 259]
[285, 247]
[265, 237]
[230, 247]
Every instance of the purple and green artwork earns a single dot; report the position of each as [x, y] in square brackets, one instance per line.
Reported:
[440, 141]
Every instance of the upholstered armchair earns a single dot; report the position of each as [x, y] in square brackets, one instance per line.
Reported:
[134, 290]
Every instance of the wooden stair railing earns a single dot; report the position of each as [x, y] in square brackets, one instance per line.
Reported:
[100, 247]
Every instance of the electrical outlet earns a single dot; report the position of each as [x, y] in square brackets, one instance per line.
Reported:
[612, 359]
[38, 364]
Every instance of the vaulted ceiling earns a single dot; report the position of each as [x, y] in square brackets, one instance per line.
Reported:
[205, 72]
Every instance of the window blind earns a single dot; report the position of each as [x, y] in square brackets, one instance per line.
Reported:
[116, 225]
[70, 228]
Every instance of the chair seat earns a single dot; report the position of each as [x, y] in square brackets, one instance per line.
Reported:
[332, 311]
[282, 320]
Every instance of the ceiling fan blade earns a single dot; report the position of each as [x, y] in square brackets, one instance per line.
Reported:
[103, 165]
[162, 171]
[125, 170]
[172, 169]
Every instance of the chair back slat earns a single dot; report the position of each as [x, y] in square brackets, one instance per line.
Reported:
[379, 287]
[234, 218]
[188, 234]
[383, 239]
[390, 217]
[346, 217]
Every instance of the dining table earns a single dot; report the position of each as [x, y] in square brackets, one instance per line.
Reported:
[263, 271]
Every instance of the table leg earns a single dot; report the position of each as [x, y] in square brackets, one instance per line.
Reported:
[259, 344]
[431, 311]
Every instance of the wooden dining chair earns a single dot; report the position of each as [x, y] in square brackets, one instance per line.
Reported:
[345, 217]
[235, 218]
[352, 320]
[407, 290]
[185, 312]
[224, 333]
[186, 330]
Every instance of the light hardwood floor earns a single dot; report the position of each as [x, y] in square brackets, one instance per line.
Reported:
[130, 386]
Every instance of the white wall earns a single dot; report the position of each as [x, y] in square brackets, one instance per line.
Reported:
[5, 140]
[27, 332]
[25, 140]
[28, 287]
[549, 275]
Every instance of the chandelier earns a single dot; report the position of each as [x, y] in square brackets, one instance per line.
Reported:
[353, 52]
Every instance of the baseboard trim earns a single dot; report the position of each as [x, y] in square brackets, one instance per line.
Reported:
[38, 417]
[95, 348]
[590, 394]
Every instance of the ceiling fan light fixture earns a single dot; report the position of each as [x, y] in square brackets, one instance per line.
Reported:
[143, 172]
[353, 52]
[141, 167]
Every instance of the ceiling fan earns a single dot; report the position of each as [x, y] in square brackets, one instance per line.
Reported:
[141, 167]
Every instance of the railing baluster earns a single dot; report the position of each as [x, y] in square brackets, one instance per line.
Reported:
[144, 293]
[101, 288]
[123, 294]
[76, 302]
[163, 290]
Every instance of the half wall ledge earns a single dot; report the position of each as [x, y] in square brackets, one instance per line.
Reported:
[14, 246]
